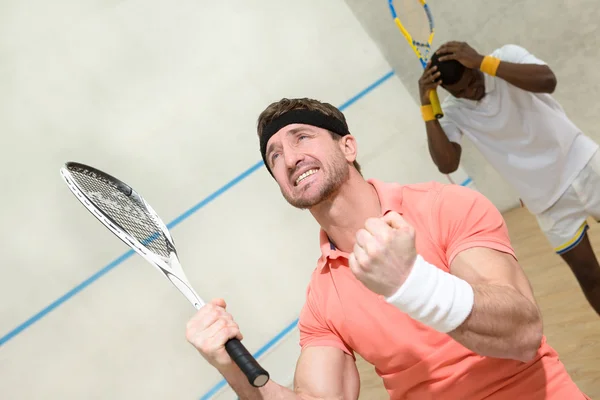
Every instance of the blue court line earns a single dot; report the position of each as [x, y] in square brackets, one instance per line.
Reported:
[256, 355]
[56, 303]
[212, 391]
[64, 298]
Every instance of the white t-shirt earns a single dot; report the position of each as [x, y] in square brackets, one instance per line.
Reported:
[525, 136]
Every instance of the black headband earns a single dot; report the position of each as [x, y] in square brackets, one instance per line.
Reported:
[308, 117]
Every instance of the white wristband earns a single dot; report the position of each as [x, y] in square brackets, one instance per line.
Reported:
[436, 298]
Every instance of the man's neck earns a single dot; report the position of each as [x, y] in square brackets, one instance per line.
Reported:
[346, 212]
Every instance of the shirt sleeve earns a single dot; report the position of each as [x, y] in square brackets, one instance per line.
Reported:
[466, 219]
[451, 129]
[313, 329]
[516, 54]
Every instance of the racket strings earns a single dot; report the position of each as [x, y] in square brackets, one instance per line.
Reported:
[422, 45]
[417, 20]
[130, 216]
[424, 48]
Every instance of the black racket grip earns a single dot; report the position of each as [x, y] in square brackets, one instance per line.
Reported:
[257, 375]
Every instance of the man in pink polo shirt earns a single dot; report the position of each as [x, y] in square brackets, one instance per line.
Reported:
[420, 280]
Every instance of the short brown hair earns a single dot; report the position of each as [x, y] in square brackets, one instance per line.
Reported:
[284, 105]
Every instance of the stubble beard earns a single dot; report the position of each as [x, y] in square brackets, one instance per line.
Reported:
[334, 175]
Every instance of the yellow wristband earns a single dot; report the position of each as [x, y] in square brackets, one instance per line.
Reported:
[489, 65]
[427, 113]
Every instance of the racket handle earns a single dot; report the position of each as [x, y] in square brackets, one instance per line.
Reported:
[435, 104]
[257, 375]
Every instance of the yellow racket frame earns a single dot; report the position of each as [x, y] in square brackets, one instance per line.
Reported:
[433, 97]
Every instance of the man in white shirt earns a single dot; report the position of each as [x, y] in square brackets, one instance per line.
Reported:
[502, 102]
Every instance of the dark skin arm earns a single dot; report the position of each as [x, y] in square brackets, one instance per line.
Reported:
[530, 77]
[444, 153]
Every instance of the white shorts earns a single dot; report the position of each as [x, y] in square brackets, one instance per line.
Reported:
[565, 222]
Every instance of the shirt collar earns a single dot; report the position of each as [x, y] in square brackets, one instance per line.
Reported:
[390, 199]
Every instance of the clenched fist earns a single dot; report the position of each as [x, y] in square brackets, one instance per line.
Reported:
[208, 331]
[384, 253]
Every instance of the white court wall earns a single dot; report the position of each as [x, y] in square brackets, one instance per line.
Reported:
[165, 96]
[556, 31]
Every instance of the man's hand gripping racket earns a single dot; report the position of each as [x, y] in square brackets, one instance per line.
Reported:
[126, 214]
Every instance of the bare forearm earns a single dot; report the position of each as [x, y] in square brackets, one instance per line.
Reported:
[271, 391]
[322, 372]
[442, 151]
[502, 324]
[531, 77]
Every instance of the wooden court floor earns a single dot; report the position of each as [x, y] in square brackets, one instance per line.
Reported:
[570, 325]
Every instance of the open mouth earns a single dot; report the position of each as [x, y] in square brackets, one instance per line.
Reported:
[305, 175]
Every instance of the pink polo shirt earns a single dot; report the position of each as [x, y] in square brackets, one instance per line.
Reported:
[414, 361]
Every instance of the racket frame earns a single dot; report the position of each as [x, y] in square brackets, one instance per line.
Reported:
[171, 268]
[433, 97]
